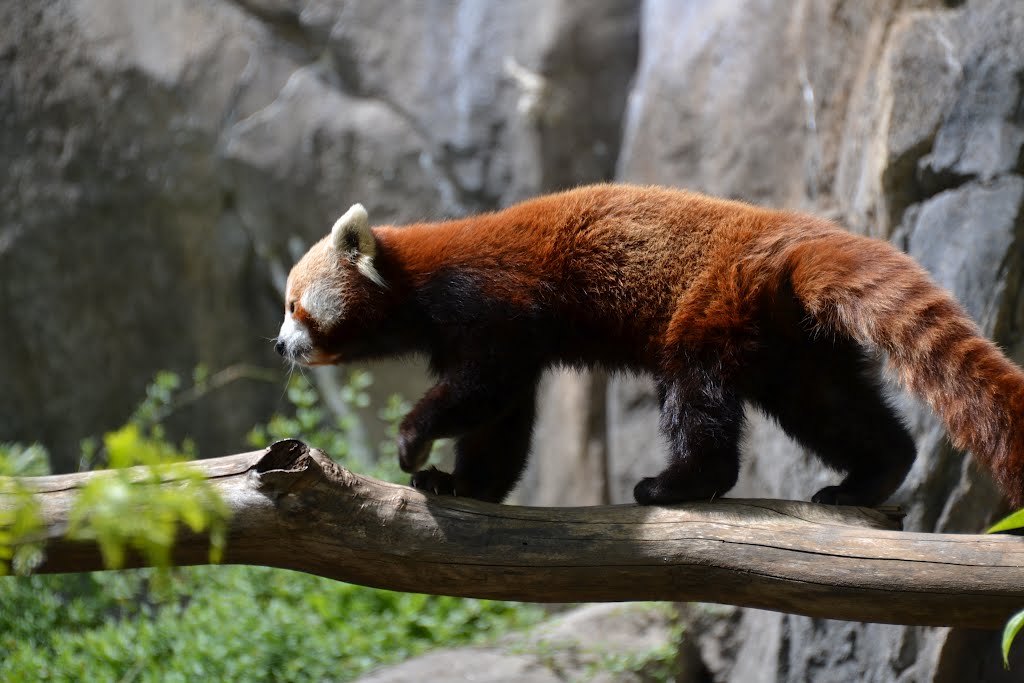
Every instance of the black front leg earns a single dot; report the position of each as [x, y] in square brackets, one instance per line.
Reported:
[460, 403]
[490, 459]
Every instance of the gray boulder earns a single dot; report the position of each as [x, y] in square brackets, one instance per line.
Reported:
[604, 643]
[165, 160]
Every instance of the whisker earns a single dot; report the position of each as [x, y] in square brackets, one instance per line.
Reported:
[287, 379]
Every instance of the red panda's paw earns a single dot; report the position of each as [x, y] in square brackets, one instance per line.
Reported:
[434, 481]
[662, 490]
[691, 478]
[413, 452]
[647, 491]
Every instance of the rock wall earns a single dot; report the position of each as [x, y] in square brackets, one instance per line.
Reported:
[165, 159]
[903, 121]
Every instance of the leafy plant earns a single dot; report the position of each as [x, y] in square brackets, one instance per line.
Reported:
[658, 663]
[1009, 523]
[20, 521]
[134, 508]
[1010, 631]
[1016, 622]
[131, 508]
[316, 426]
[218, 622]
[223, 623]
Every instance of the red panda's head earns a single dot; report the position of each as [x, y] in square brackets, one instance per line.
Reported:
[331, 293]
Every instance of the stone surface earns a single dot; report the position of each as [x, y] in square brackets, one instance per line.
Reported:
[569, 455]
[165, 160]
[471, 664]
[982, 133]
[635, 445]
[117, 258]
[502, 93]
[897, 122]
[969, 240]
[583, 644]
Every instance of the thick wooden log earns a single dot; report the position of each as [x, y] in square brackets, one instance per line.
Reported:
[295, 508]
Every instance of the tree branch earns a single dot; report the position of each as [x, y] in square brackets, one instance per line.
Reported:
[295, 508]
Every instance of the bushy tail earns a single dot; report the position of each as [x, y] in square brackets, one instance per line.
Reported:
[871, 292]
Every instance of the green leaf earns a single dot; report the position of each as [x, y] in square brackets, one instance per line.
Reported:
[200, 375]
[1010, 631]
[1012, 521]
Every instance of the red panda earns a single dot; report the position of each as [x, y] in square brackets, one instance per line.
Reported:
[721, 302]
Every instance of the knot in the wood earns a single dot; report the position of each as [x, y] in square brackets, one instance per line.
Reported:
[283, 467]
[286, 454]
[290, 466]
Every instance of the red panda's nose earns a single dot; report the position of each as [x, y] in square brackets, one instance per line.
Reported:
[280, 347]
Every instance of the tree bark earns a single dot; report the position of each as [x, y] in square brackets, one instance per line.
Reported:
[293, 507]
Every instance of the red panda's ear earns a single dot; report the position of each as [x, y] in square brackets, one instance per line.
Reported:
[351, 233]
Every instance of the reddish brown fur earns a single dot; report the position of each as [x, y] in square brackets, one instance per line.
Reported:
[719, 300]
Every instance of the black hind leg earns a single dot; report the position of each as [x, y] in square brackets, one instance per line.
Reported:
[821, 395]
[701, 417]
[490, 459]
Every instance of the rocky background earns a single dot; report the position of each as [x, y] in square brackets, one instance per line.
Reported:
[164, 161]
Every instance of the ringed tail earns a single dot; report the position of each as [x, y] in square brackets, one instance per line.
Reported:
[871, 292]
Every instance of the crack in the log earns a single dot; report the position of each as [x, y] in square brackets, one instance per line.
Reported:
[431, 505]
[893, 524]
[565, 540]
[702, 567]
[459, 515]
[823, 553]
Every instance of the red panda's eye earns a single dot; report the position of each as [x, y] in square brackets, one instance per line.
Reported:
[291, 307]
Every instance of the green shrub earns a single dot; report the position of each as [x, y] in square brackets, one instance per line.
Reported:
[1012, 522]
[19, 520]
[226, 624]
[222, 623]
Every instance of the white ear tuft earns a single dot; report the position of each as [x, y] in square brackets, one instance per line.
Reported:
[351, 233]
